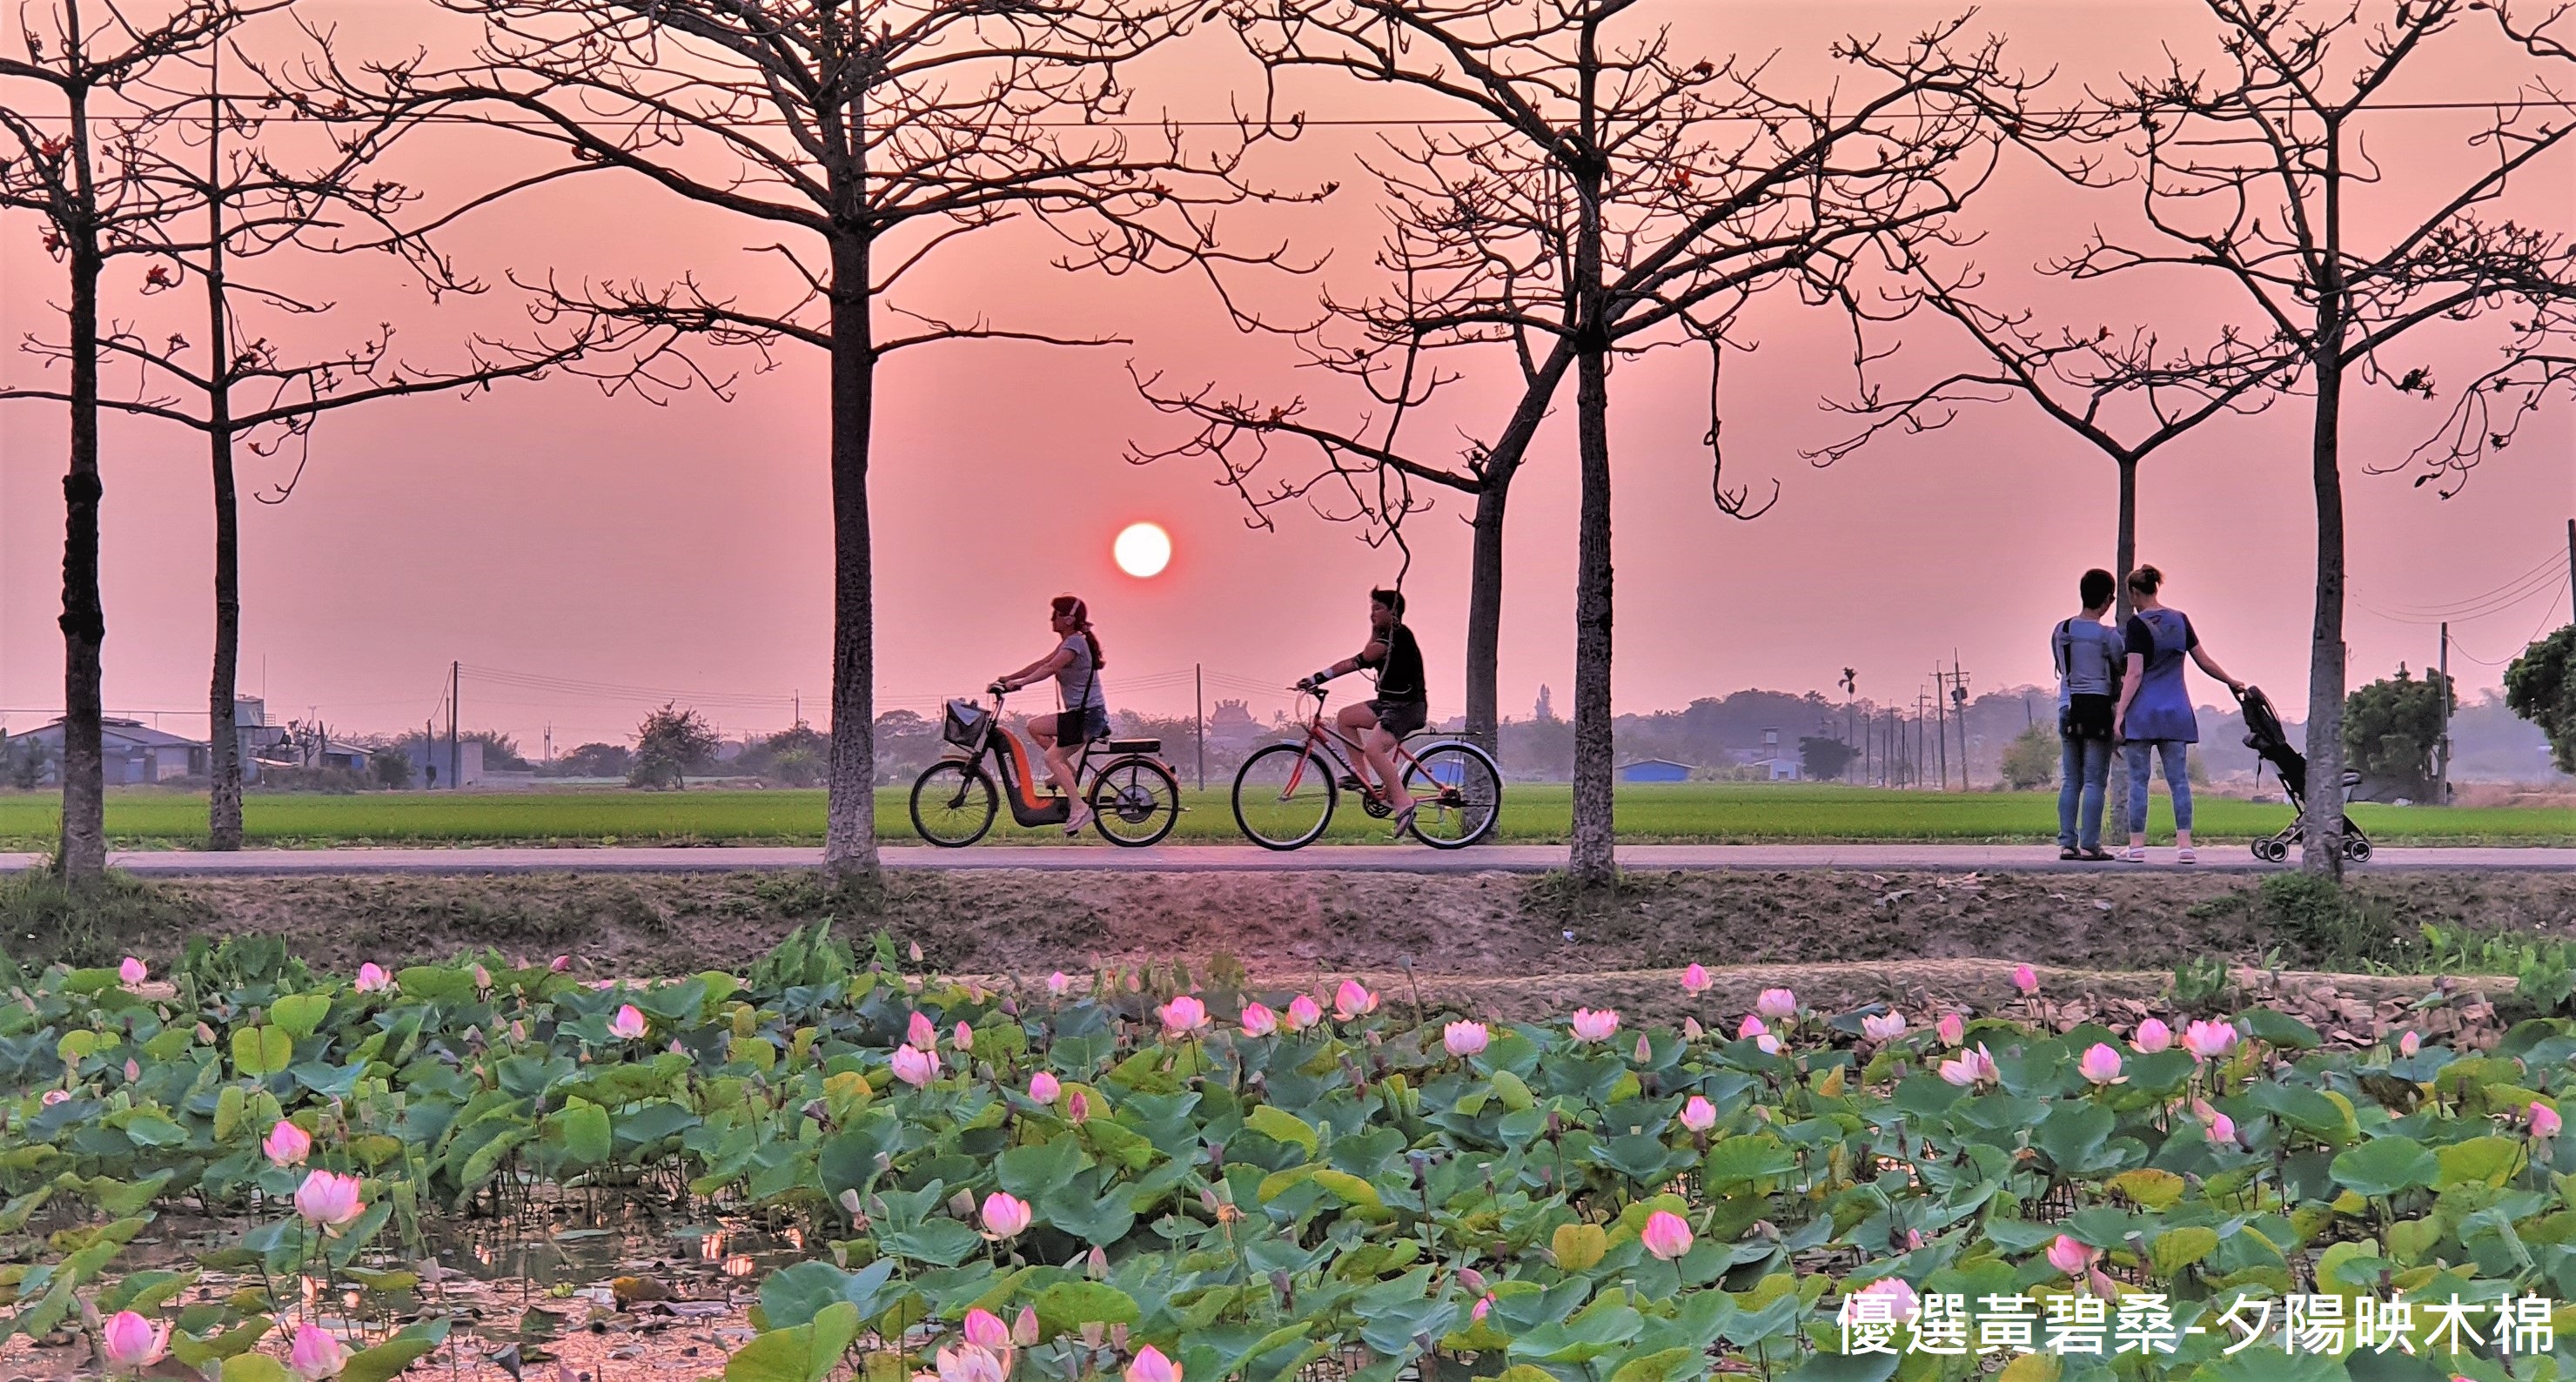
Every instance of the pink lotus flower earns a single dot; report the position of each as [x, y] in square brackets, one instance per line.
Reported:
[1077, 1108]
[2544, 1121]
[1768, 1044]
[1883, 1029]
[628, 1024]
[2153, 1036]
[2101, 1065]
[131, 970]
[968, 1363]
[1752, 1026]
[559, 964]
[1691, 1030]
[1463, 1039]
[985, 1330]
[286, 1144]
[2069, 1256]
[132, 1342]
[2209, 1040]
[1059, 984]
[1259, 1021]
[1182, 1016]
[330, 1200]
[1349, 1001]
[1952, 1029]
[133, 1070]
[1044, 1087]
[2221, 1128]
[1005, 1216]
[1024, 1329]
[1484, 1306]
[1666, 1235]
[1303, 1012]
[921, 1032]
[372, 978]
[1969, 1068]
[1152, 1366]
[914, 1066]
[1778, 1005]
[56, 1096]
[1698, 1114]
[963, 1038]
[2026, 979]
[1903, 1304]
[1695, 980]
[2409, 1043]
[1590, 1026]
[316, 1354]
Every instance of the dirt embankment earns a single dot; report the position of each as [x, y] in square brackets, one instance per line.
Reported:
[1286, 927]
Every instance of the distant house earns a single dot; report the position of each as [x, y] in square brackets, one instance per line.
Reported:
[1654, 770]
[1781, 769]
[135, 753]
[466, 772]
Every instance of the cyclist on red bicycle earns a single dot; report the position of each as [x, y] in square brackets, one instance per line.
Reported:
[1402, 704]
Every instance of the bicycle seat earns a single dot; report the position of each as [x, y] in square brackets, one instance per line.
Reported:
[1135, 746]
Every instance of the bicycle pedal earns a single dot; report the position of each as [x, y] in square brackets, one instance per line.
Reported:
[1350, 783]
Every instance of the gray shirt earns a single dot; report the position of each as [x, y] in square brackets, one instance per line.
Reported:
[2087, 657]
[1077, 683]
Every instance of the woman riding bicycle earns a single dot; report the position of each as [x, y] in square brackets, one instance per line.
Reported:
[1075, 665]
[1402, 704]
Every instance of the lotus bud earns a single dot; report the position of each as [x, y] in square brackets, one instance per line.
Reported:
[559, 964]
[2209, 1040]
[2409, 1043]
[2544, 1121]
[985, 1330]
[1695, 980]
[628, 1024]
[1904, 1304]
[1777, 1005]
[316, 1354]
[2153, 1036]
[1024, 1330]
[1005, 1216]
[2100, 1065]
[330, 1200]
[1303, 1012]
[372, 978]
[132, 971]
[1666, 1235]
[133, 1070]
[1645, 1051]
[915, 1066]
[1059, 984]
[1077, 1108]
[1259, 1021]
[1691, 1030]
[1952, 1029]
[1471, 1280]
[482, 977]
[2069, 1256]
[1352, 1000]
[1698, 1114]
[1095, 1265]
[131, 1342]
[920, 1032]
[1182, 1017]
[1484, 1307]
[2027, 980]
[962, 1205]
[1044, 1088]
[963, 1038]
[286, 1144]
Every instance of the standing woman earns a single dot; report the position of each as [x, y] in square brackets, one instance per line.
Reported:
[1075, 665]
[2155, 716]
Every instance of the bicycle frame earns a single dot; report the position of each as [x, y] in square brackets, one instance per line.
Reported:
[1343, 750]
[1028, 807]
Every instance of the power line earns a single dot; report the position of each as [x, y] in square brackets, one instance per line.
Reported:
[2540, 578]
[2546, 618]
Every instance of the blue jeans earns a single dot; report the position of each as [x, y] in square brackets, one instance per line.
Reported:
[2177, 776]
[2084, 771]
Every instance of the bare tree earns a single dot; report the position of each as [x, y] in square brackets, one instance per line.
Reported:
[1607, 196]
[73, 109]
[240, 391]
[2248, 175]
[872, 134]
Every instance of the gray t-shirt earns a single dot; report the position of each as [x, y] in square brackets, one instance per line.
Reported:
[2087, 655]
[1077, 683]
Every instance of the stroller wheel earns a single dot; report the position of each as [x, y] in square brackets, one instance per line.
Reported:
[2356, 849]
[2269, 851]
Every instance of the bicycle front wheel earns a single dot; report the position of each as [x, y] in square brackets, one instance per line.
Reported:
[1457, 795]
[1135, 803]
[953, 803]
[1283, 797]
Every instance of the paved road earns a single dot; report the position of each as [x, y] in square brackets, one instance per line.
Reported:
[1248, 858]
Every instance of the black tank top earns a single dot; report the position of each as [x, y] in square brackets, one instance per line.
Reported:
[1399, 673]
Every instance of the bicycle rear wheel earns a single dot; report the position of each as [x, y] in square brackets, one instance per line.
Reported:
[1135, 803]
[953, 803]
[1284, 796]
[1457, 795]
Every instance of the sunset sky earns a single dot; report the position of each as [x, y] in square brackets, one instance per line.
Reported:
[633, 553]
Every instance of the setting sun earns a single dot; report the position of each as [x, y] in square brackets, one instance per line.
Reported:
[1142, 549]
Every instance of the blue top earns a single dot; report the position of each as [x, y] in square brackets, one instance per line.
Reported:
[2087, 655]
[2162, 707]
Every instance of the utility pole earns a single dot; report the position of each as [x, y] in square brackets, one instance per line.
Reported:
[1941, 721]
[2442, 746]
[1851, 688]
[1920, 714]
[455, 753]
[1959, 702]
[2571, 566]
[1198, 699]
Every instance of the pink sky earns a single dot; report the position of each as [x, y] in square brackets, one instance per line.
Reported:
[547, 530]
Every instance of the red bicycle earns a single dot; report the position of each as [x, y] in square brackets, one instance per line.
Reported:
[1285, 794]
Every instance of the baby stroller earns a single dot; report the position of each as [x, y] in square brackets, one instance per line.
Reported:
[2264, 735]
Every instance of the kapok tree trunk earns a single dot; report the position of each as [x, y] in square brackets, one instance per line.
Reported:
[223, 738]
[1593, 859]
[82, 855]
[1485, 615]
[2321, 829]
[850, 827]
[2125, 548]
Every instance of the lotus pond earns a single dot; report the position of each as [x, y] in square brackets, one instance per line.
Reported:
[1132, 1176]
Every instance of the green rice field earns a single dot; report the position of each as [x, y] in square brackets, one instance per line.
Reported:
[1709, 813]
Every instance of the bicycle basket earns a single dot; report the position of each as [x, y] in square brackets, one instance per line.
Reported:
[962, 722]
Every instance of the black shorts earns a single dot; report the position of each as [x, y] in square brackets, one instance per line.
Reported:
[1076, 727]
[2085, 717]
[1401, 718]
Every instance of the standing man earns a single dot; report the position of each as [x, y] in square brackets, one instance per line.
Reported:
[2087, 654]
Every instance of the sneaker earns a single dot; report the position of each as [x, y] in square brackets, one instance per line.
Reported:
[2185, 856]
[2132, 855]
